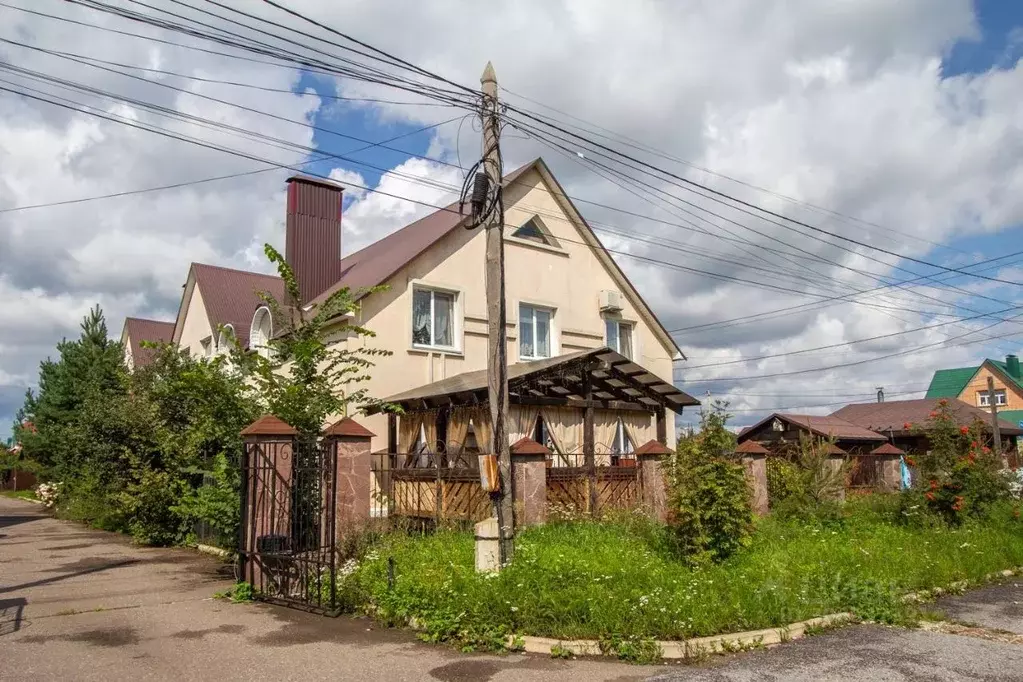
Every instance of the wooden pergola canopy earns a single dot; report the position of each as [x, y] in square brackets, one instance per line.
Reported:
[598, 378]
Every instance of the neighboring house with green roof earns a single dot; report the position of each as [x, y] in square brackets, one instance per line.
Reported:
[969, 384]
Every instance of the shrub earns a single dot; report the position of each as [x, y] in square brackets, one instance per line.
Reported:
[215, 504]
[783, 480]
[710, 512]
[960, 475]
[147, 504]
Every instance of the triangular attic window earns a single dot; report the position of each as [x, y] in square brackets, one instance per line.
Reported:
[533, 231]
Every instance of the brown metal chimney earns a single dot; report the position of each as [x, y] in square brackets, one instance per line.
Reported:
[312, 243]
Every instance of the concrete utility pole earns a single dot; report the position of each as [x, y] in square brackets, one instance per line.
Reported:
[994, 418]
[497, 368]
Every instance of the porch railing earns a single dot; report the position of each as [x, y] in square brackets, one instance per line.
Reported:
[446, 486]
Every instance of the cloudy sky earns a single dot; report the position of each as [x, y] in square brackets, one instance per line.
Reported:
[893, 127]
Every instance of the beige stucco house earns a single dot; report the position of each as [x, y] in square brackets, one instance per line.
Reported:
[565, 293]
[136, 331]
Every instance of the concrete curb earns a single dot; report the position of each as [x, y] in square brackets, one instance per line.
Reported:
[958, 587]
[688, 648]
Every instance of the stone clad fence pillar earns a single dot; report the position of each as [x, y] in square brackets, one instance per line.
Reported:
[529, 467]
[653, 487]
[350, 441]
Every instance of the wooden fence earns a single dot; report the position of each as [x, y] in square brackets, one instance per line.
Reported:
[444, 488]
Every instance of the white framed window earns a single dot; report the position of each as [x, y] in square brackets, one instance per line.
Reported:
[618, 336]
[535, 340]
[984, 398]
[433, 318]
[621, 445]
[261, 332]
[207, 347]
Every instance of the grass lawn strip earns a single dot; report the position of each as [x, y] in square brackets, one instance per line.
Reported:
[618, 583]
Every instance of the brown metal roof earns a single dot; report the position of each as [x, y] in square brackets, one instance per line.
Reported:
[230, 296]
[140, 330]
[348, 427]
[835, 450]
[528, 446]
[751, 447]
[269, 425]
[827, 426]
[376, 263]
[887, 449]
[640, 386]
[652, 447]
[893, 415]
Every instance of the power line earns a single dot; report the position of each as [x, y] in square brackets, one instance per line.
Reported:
[925, 348]
[721, 196]
[635, 144]
[246, 155]
[190, 92]
[847, 343]
[628, 254]
[695, 206]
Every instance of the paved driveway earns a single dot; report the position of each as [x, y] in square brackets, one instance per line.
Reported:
[86, 605]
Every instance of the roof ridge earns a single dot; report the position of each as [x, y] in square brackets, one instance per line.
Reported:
[238, 270]
[147, 319]
[509, 178]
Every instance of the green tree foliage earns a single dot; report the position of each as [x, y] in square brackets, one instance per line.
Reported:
[138, 452]
[710, 511]
[304, 379]
[823, 476]
[88, 371]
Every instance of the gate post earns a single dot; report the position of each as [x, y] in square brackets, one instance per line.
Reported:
[529, 467]
[267, 461]
[351, 443]
[652, 484]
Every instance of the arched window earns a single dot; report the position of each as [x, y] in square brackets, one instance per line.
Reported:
[224, 341]
[261, 332]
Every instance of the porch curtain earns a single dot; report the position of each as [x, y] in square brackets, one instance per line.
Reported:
[408, 430]
[521, 420]
[565, 425]
[605, 428]
[639, 427]
[458, 428]
[430, 430]
[481, 425]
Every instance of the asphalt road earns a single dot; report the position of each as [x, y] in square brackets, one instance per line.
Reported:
[87, 605]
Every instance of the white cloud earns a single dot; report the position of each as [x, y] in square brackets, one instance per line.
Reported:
[841, 104]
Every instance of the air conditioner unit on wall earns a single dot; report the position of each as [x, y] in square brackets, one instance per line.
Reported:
[610, 301]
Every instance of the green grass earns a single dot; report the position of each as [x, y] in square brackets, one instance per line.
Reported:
[619, 582]
[20, 494]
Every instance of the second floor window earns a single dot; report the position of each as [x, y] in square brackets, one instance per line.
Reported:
[619, 337]
[534, 332]
[433, 314]
[984, 398]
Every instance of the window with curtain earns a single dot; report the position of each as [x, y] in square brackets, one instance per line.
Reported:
[433, 318]
[534, 332]
[621, 445]
[619, 336]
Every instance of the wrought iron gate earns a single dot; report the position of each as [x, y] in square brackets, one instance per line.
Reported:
[289, 522]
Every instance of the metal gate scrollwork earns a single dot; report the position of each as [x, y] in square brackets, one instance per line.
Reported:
[289, 522]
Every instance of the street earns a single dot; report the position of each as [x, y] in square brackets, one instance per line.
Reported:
[88, 605]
